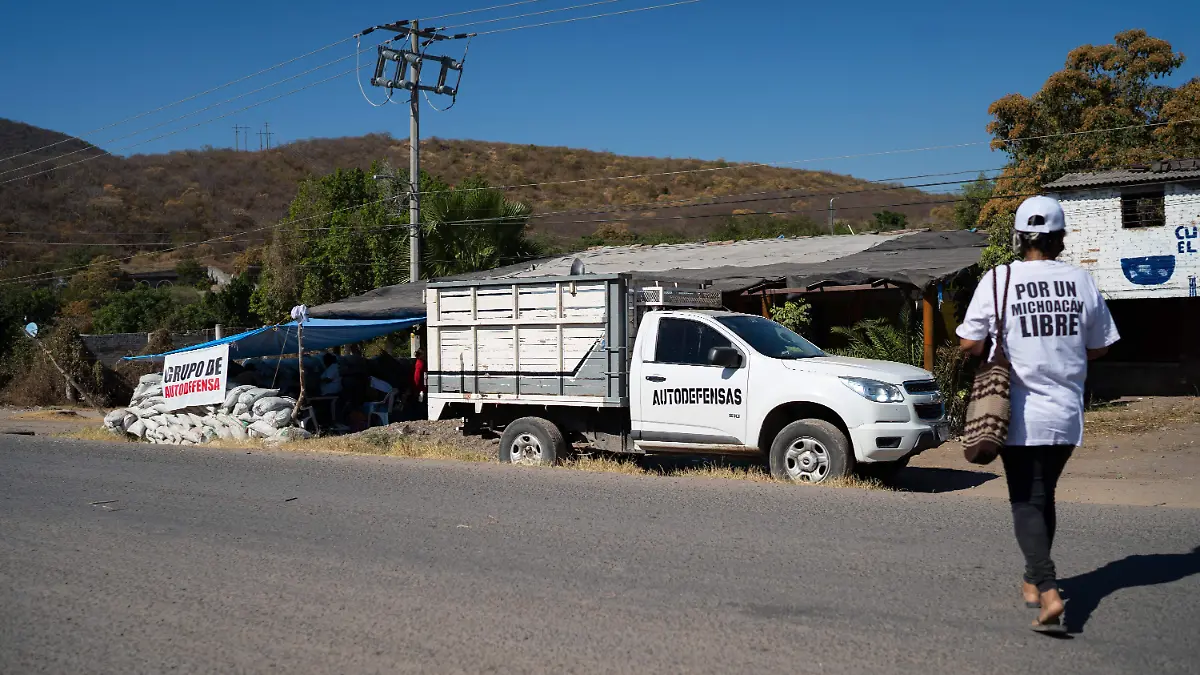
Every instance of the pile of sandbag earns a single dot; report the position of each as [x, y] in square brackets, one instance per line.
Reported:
[248, 412]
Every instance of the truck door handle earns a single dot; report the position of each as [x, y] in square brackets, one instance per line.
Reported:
[656, 378]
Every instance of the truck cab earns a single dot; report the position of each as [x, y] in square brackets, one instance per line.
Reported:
[714, 380]
[629, 364]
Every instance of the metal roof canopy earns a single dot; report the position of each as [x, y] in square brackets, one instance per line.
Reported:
[917, 259]
[1157, 172]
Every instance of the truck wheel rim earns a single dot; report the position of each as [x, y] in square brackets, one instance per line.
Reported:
[807, 461]
[525, 449]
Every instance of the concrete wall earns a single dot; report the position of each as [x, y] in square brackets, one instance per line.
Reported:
[1140, 262]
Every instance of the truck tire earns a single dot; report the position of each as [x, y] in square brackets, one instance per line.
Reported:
[532, 440]
[811, 451]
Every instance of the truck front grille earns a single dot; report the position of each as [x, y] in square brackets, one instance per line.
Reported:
[921, 387]
[929, 411]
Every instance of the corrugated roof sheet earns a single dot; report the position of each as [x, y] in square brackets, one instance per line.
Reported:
[1173, 170]
[916, 258]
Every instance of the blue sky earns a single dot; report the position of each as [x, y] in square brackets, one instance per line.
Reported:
[751, 80]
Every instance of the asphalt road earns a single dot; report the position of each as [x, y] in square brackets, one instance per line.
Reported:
[219, 561]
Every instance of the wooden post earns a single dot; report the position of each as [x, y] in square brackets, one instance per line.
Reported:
[766, 307]
[928, 305]
[300, 361]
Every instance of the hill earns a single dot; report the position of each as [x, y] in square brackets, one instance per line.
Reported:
[148, 202]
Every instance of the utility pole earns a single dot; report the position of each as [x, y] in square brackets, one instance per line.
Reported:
[238, 133]
[414, 159]
[407, 75]
[267, 133]
[260, 140]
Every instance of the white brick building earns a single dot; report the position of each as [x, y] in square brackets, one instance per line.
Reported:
[1136, 230]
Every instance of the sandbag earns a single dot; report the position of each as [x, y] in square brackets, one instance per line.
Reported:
[197, 420]
[246, 418]
[261, 429]
[115, 416]
[231, 397]
[292, 434]
[138, 428]
[278, 418]
[249, 397]
[238, 432]
[152, 378]
[151, 423]
[241, 409]
[272, 403]
[129, 419]
[194, 435]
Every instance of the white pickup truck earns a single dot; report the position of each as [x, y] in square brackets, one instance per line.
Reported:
[634, 364]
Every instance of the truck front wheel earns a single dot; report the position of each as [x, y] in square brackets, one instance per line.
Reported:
[811, 451]
[532, 440]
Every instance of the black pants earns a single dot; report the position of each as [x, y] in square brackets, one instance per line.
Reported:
[1032, 473]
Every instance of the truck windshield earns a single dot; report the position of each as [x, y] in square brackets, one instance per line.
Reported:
[769, 338]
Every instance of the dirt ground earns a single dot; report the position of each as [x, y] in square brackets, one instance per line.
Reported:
[1140, 451]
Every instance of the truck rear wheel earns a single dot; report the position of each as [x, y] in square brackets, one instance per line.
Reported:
[532, 440]
[811, 451]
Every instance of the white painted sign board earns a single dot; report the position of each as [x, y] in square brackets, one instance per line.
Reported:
[197, 377]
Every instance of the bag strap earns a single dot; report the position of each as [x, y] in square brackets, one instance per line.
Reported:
[1001, 306]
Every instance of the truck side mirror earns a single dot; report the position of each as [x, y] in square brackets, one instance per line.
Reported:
[726, 357]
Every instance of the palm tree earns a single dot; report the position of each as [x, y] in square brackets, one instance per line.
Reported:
[883, 340]
[473, 227]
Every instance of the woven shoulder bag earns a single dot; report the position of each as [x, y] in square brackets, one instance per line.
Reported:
[986, 428]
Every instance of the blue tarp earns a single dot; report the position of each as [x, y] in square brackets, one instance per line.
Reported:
[281, 340]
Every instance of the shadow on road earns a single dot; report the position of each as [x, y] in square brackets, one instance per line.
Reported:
[931, 480]
[1085, 591]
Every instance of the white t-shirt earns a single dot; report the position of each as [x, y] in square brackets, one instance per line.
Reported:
[1055, 314]
[331, 381]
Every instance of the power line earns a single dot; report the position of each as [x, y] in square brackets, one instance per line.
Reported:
[481, 9]
[585, 18]
[191, 114]
[777, 165]
[180, 130]
[183, 100]
[522, 16]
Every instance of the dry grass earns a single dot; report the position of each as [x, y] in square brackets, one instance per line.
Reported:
[97, 433]
[1140, 416]
[387, 445]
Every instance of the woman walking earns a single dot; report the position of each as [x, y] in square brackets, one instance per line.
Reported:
[1055, 321]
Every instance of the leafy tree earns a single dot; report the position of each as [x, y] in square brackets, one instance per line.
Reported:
[191, 272]
[140, 310]
[760, 226]
[93, 284]
[793, 314]
[341, 237]
[972, 198]
[890, 220]
[344, 236]
[1100, 87]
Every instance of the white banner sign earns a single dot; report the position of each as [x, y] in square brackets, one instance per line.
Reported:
[196, 378]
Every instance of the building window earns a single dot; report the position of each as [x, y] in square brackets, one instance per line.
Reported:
[1143, 208]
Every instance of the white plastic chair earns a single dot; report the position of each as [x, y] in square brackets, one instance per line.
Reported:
[380, 409]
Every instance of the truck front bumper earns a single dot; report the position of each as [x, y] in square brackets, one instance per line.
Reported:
[888, 442]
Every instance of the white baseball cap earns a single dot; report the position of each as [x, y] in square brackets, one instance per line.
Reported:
[1040, 214]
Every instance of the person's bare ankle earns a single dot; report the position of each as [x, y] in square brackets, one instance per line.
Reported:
[1029, 591]
[1052, 606]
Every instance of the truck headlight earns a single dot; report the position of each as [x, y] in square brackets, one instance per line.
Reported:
[874, 390]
